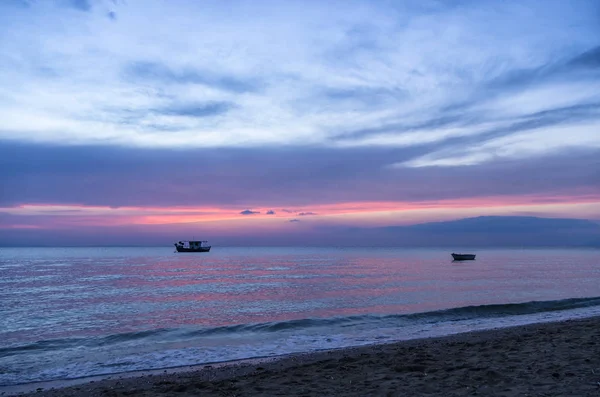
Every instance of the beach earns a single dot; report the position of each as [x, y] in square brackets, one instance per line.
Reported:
[550, 359]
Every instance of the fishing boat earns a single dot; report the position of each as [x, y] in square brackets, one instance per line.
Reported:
[463, 257]
[192, 246]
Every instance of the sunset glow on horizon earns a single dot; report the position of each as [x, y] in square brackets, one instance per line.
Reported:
[359, 214]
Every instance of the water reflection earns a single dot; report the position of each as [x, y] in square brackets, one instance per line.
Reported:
[54, 293]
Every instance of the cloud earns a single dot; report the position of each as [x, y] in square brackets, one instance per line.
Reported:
[270, 212]
[320, 107]
[588, 59]
[306, 213]
[249, 212]
[344, 82]
[287, 178]
[513, 145]
[18, 3]
[153, 71]
[196, 109]
[81, 5]
[294, 220]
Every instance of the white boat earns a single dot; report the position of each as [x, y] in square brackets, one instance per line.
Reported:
[192, 246]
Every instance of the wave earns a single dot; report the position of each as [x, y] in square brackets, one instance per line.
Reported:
[311, 324]
[454, 314]
[507, 309]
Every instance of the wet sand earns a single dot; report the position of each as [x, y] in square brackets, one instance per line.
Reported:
[551, 359]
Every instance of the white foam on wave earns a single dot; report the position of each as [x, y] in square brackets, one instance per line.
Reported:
[138, 355]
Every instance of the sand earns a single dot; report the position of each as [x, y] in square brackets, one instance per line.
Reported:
[552, 359]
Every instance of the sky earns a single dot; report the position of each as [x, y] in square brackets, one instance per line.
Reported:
[134, 121]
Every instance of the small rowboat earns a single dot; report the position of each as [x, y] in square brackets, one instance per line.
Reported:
[463, 257]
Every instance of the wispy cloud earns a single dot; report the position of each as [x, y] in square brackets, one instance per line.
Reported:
[154, 72]
[221, 77]
[533, 142]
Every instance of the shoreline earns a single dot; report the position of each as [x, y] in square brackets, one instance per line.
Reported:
[554, 358]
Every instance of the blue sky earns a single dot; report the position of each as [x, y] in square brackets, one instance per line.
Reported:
[304, 105]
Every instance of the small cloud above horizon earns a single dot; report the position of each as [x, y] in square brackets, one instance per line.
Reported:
[249, 212]
[270, 212]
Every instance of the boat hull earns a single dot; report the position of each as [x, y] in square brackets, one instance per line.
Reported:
[463, 257]
[200, 249]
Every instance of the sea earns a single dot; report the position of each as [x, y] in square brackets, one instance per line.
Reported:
[71, 313]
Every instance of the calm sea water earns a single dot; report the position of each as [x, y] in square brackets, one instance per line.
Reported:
[73, 312]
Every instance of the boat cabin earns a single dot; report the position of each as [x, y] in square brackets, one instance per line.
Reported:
[193, 244]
